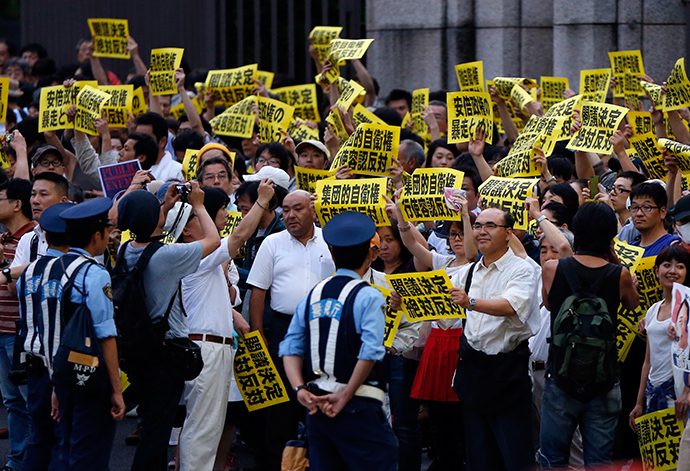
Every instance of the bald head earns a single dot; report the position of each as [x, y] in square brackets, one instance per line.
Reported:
[297, 215]
[297, 195]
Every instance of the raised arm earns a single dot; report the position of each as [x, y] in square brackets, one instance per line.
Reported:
[21, 167]
[211, 239]
[366, 80]
[133, 49]
[508, 124]
[476, 149]
[189, 108]
[248, 225]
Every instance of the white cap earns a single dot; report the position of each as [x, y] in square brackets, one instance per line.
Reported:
[318, 144]
[279, 177]
[177, 219]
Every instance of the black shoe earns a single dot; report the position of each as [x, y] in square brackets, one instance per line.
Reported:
[133, 439]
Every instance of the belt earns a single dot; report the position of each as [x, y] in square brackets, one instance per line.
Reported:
[212, 338]
[538, 365]
[364, 390]
[283, 317]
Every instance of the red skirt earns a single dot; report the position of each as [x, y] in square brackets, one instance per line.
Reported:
[437, 367]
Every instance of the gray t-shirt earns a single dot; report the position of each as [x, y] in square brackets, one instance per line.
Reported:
[162, 278]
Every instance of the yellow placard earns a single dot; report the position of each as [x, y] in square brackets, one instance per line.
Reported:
[649, 288]
[625, 336]
[274, 116]
[643, 141]
[350, 92]
[470, 76]
[518, 162]
[420, 99]
[423, 197]
[658, 435]
[90, 102]
[627, 67]
[256, 375]
[307, 178]
[654, 92]
[629, 255]
[190, 164]
[468, 112]
[321, 37]
[362, 195]
[234, 218]
[238, 120]
[362, 115]
[508, 194]
[680, 151]
[555, 125]
[425, 295]
[552, 89]
[301, 131]
[599, 122]
[119, 104]
[109, 37]
[138, 102]
[369, 150]
[303, 99]
[336, 121]
[520, 97]
[164, 62]
[341, 50]
[265, 77]
[392, 318]
[678, 88]
[53, 105]
[504, 85]
[4, 94]
[594, 84]
[232, 85]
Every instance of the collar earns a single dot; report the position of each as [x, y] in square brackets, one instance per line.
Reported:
[501, 262]
[54, 253]
[23, 230]
[348, 273]
[315, 236]
[82, 252]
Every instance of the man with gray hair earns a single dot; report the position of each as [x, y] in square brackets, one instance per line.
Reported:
[411, 155]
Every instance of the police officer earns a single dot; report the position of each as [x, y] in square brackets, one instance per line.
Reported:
[43, 443]
[336, 339]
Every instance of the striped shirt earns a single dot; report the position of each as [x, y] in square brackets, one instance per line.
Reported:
[9, 304]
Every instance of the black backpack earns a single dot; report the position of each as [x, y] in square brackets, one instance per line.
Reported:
[583, 354]
[140, 340]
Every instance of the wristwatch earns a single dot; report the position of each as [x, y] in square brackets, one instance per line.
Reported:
[473, 303]
[8, 274]
[541, 218]
[301, 386]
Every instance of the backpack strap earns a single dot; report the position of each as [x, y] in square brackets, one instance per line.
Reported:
[145, 257]
[33, 251]
[468, 280]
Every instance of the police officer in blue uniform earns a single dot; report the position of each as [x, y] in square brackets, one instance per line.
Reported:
[332, 353]
[43, 447]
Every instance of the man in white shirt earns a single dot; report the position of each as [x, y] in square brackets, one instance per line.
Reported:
[289, 264]
[210, 319]
[166, 168]
[492, 378]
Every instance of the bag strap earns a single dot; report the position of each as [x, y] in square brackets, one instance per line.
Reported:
[468, 280]
[145, 257]
[569, 271]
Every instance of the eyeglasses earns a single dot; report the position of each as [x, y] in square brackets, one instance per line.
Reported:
[271, 162]
[645, 209]
[48, 163]
[455, 235]
[478, 226]
[208, 177]
[619, 190]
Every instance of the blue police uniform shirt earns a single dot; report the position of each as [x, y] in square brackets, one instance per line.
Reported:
[98, 295]
[52, 253]
[369, 323]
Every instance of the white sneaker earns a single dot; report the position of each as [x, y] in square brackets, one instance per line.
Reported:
[133, 414]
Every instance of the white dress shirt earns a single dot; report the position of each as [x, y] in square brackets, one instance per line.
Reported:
[167, 169]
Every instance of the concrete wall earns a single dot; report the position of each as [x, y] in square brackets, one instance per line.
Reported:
[418, 43]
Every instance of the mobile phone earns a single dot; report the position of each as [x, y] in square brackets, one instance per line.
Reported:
[593, 186]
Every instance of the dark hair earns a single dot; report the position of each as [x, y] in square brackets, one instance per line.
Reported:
[79, 233]
[470, 173]
[57, 239]
[567, 193]
[388, 115]
[494, 153]
[213, 161]
[561, 167]
[19, 189]
[35, 47]
[11, 48]
[614, 164]
[443, 142]
[508, 219]
[651, 189]
[43, 68]
[635, 177]
[674, 252]
[75, 193]
[406, 134]
[278, 151]
[594, 226]
[173, 124]
[248, 189]
[145, 145]
[61, 183]
[405, 254]
[19, 62]
[351, 258]
[398, 94]
[560, 213]
[28, 127]
[187, 139]
[157, 123]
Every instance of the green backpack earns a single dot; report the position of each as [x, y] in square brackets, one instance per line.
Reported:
[583, 338]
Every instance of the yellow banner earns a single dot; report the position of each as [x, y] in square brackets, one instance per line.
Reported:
[369, 150]
[300, 131]
[119, 104]
[4, 93]
[520, 97]
[643, 141]
[518, 162]
[594, 84]
[627, 67]
[307, 178]
[362, 195]
[655, 95]
[470, 76]
[336, 121]
[504, 85]
[425, 295]
[90, 102]
[232, 85]
[420, 98]
[265, 77]
[599, 122]
[649, 288]
[556, 123]
[341, 50]
[163, 64]
[53, 105]
[392, 318]
[423, 197]
[138, 102]
[508, 194]
[238, 120]
[362, 115]
[678, 88]
[321, 37]
[256, 375]
[190, 164]
[303, 99]
[274, 115]
[680, 151]
[658, 435]
[468, 112]
[629, 255]
[109, 37]
[350, 92]
[552, 89]
[234, 218]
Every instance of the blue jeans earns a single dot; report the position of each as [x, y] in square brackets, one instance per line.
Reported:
[560, 414]
[14, 398]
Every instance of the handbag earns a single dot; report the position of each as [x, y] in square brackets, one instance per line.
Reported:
[183, 358]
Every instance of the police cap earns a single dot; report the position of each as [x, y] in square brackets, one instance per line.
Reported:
[93, 211]
[51, 220]
[348, 229]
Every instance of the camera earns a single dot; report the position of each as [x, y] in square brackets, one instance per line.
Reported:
[183, 190]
